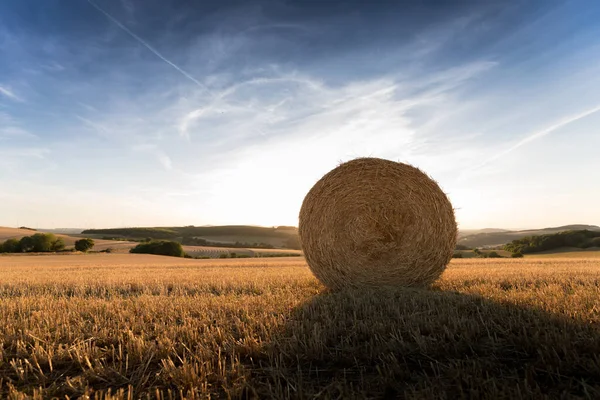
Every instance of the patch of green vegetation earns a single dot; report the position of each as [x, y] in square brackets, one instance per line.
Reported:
[115, 233]
[195, 241]
[532, 244]
[161, 248]
[37, 243]
[84, 245]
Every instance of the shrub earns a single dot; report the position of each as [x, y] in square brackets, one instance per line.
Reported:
[58, 245]
[84, 244]
[161, 248]
[457, 255]
[26, 244]
[46, 242]
[493, 254]
[10, 246]
[518, 254]
[39, 243]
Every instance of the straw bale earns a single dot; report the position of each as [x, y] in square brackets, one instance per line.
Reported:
[373, 222]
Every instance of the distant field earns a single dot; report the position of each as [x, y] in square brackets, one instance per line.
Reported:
[123, 246]
[277, 237]
[13, 233]
[10, 233]
[196, 251]
[567, 253]
[127, 265]
[471, 253]
[123, 326]
[559, 253]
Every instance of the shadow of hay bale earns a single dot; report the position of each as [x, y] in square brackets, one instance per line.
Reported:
[411, 343]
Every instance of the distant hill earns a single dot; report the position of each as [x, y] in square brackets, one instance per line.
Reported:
[470, 232]
[64, 231]
[500, 238]
[278, 237]
[14, 233]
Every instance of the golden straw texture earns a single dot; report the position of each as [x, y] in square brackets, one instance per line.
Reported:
[374, 222]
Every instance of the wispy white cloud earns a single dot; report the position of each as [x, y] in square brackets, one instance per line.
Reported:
[152, 49]
[15, 131]
[10, 128]
[128, 6]
[273, 26]
[53, 66]
[300, 128]
[34, 152]
[99, 128]
[10, 94]
[160, 155]
[533, 137]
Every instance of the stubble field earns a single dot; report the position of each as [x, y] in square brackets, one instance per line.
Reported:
[134, 326]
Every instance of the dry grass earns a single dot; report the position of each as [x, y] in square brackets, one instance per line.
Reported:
[196, 251]
[138, 326]
[568, 253]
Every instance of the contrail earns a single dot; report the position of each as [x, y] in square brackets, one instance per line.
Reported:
[529, 138]
[542, 133]
[152, 49]
[10, 94]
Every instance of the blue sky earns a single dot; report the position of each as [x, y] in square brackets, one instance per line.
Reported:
[129, 113]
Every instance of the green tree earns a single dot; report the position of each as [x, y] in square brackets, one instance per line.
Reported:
[58, 244]
[84, 244]
[46, 242]
[10, 246]
[26, 244]
[162, 248]
[40, 243]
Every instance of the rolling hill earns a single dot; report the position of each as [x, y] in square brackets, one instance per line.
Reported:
[281, 237]
[123, 246]
[499, 238]
[278, 237]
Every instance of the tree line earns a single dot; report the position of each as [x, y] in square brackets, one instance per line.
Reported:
[532, 244]
[42, 243]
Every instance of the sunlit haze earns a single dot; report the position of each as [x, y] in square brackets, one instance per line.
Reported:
[162, 113]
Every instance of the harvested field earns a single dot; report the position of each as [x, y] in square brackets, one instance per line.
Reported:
[140, 326]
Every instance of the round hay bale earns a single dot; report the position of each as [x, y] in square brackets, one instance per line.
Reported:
[373, 222]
